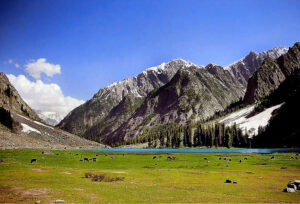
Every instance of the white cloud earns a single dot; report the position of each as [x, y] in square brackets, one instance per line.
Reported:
[35, 68]
[44, 97]
[17, 65]
[10, 61]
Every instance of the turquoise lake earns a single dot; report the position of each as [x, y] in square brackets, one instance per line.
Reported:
[242, 150]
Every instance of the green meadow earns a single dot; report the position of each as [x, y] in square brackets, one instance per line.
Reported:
[187, 178]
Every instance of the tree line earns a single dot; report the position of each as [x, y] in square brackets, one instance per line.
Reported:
[197, 135]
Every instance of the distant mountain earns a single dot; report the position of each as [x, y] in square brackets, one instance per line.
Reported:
[244, 68]
[97, 108]
[271, 74]
[12, 101]
[51, 118]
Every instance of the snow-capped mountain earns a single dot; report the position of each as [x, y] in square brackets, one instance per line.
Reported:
[50, 118]
[144, 82]
[108, 97]
[244, 68]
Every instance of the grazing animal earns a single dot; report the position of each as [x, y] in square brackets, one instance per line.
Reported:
[205, 158]
[86, 159]
[272, 157]
[245, 158]
[224, 158]
[81, 160]
[171, 158]
[112, 157]
[220, 158]
[1, 160]
[292, 157]
[228, 181]
[229, 159]
[96, 155]
[94, 159]
[240, 161]
[154, 157]
[33, 160]
[56, 154]
[76, 154]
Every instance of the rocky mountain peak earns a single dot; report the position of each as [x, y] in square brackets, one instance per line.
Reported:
[272, 72]
[244, 68]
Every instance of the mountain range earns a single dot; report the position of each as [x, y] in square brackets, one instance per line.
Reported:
[178, 92]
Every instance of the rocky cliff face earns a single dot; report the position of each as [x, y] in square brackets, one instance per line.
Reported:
[12, 101]
[271, 74]
[244, 68]
[94, 110]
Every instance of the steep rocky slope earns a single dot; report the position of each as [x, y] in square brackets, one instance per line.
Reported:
[20, 127]
[95, 109]
[271, 74]
[11, 100]
[29, 133]
[102, 130]
[192, 94]
[244, 68]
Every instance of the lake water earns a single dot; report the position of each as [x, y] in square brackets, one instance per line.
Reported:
[245, 150]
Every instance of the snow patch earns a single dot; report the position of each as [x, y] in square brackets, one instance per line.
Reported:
[250, 124]
[28, 129]
[36, 122]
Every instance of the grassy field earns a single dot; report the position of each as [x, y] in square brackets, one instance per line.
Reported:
[188, 178]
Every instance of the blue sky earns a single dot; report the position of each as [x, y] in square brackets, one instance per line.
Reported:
[99, 42]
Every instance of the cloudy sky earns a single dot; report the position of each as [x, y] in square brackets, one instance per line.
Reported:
[59, 53]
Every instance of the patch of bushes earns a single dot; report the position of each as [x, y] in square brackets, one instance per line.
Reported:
[103, 178]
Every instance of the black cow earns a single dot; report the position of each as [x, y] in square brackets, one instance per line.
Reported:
[33, 160]
[154, 157]
[86, 159]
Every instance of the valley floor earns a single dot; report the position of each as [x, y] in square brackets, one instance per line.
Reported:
[187, 178]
